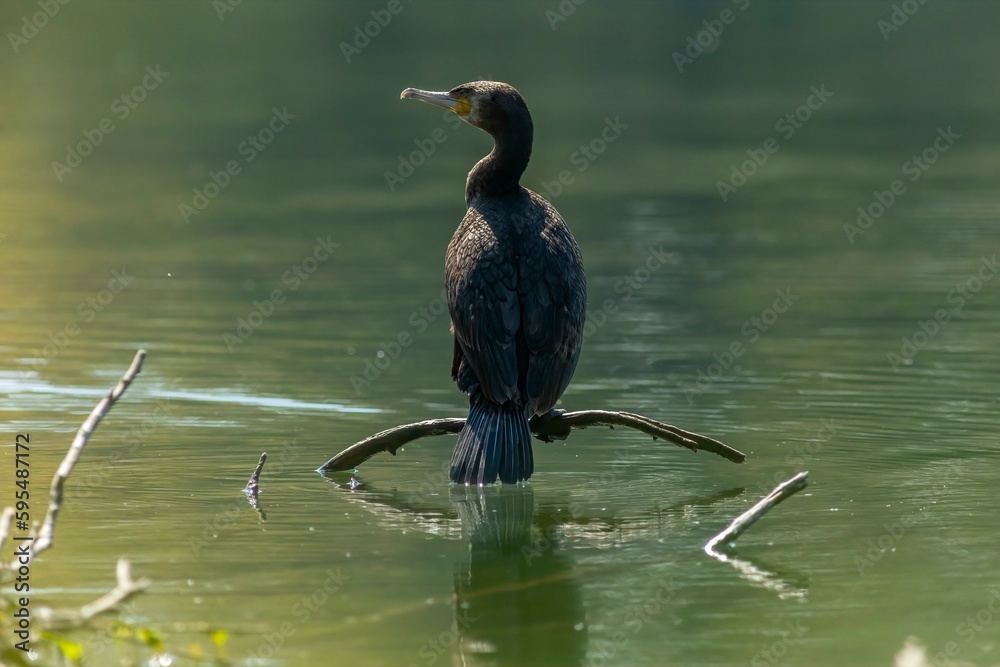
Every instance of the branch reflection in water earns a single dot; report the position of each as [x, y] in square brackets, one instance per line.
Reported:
[517, 591]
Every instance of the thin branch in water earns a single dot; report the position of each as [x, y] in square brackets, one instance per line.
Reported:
[45, 534]
[43, 538]
[253, 486]
[126, 586]
[753, 574]
[555, 426]
[123, 590]
[551, 426]
[742, 522]
[389, 441]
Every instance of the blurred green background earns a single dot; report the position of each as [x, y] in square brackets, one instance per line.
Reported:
[597, 560]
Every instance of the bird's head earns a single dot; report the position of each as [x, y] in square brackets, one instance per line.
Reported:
[492, 106]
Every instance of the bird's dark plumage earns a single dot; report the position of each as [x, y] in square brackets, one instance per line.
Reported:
[516, 293]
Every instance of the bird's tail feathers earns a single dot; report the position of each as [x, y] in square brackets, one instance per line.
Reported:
[495, 441]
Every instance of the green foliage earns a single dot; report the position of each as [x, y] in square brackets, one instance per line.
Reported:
[11, 656]
[219, 638]
[150, 639]
[71, 650]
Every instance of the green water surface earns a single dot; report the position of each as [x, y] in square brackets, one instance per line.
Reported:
[269, 221]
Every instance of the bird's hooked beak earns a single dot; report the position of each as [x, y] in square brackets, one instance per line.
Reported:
[456, 103]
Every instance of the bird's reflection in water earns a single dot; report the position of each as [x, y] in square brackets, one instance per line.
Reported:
[515, 595]
[517, 600]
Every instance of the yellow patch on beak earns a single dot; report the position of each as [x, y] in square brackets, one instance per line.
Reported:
[462, 106]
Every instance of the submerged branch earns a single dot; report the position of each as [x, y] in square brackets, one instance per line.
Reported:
[694, 441]
[389, 441]
[742, 522]
[123, 590]
[45, 534]
[253, 487]
[753, 574]
[42, 539]
[556, 426]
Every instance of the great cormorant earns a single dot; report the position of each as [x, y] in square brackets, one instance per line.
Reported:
[517, 292]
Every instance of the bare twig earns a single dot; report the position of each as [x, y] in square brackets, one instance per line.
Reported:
[45, 534]
[754, 574]
[253, 486]
[748, 518]
[123, 590]
[389, 441]
[584, 418]
[556, 426]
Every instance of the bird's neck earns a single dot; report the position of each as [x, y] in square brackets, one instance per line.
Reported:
[500, 172]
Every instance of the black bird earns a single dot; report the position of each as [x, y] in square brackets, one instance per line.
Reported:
[517, 293]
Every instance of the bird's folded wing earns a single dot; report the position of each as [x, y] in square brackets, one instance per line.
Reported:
[485, 313]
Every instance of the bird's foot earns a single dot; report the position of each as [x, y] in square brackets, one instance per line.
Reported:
[544, 429]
